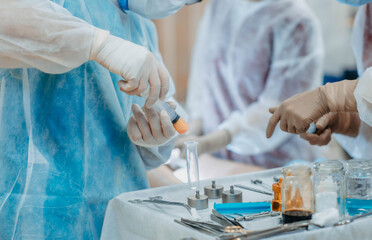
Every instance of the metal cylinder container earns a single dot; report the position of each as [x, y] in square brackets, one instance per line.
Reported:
[213, 191]
[198, 201]
[232, 196]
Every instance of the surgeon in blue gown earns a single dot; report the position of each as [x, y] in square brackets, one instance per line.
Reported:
[65, 141]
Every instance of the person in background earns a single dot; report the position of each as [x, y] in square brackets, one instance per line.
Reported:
[342, 108]
[248, 56]
[65, 131]
[336, 20]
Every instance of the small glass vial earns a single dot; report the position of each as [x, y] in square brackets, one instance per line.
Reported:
[297, 194]
[358, 187]
[329, 187]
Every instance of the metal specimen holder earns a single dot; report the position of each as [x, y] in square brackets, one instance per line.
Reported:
[198, 201]
[213, 191]
[232, 196]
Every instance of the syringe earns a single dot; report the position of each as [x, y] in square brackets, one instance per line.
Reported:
[178, 123]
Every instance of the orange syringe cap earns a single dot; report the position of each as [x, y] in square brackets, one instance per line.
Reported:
[181, 126]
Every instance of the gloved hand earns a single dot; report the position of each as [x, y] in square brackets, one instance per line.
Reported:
[296, 113]
[149, 128]
[206, 144]
[346, 123]
[134, 63]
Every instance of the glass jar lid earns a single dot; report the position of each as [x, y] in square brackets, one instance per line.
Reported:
[329, 166]
[297, 170]
[360, 163]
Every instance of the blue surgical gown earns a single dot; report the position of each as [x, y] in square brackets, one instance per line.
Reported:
[64, 149]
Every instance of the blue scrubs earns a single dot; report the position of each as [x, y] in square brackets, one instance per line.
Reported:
[64, 149]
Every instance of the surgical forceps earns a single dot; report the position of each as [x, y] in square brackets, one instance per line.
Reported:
[259, 182]
[254, 216]
[253, 189]
[158, 200]
[207, 227]
[224, 221]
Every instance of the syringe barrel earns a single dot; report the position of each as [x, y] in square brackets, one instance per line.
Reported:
[160, 105]
[178, 123]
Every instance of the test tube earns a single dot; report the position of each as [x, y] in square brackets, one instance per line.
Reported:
[192, 164]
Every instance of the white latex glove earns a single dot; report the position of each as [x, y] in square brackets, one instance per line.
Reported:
[206, 144]
[134, 63]
[148, 128]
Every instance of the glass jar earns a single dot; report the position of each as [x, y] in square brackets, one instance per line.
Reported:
[329, 187]
[297, 194]
[358, 187]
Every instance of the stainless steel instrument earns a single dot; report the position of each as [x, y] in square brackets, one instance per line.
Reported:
[224, 221]
[232, 196]
[259, 182]
[254, 189]
[206, 227]
[158, 200]
[198, 201]
[255, 216]
[213, 191]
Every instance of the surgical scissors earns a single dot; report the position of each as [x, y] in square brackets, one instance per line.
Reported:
[224, 221]
[243, 234]
[254, 216]
[207, 227]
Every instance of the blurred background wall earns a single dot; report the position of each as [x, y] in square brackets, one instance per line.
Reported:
[176, 38]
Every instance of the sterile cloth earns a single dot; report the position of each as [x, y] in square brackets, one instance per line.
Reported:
[124, 220]
[64, 148]
[250, 56]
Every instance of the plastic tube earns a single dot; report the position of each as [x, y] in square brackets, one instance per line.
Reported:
[192, 165]
[246, 207]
